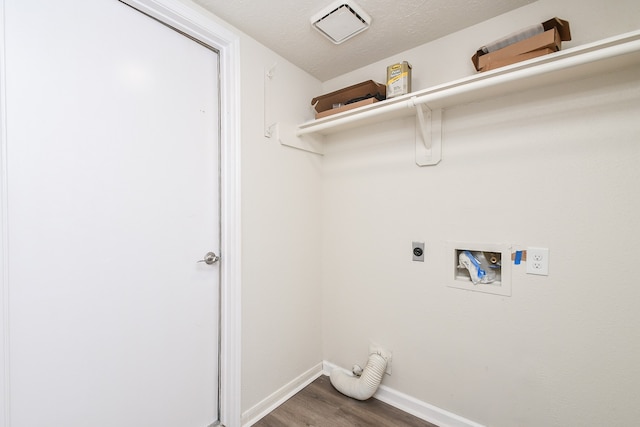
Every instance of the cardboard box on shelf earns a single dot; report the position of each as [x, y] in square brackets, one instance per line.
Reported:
[497, 63]
[349, 98]
[555, 32]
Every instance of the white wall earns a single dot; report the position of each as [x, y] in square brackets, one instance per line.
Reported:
[554, 167]
[281, 226]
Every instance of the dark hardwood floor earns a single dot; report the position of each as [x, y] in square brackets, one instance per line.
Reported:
[320, 405]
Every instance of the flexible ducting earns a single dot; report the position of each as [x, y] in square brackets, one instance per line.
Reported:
[364, 386]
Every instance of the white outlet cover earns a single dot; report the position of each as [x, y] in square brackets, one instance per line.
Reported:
[538, 261]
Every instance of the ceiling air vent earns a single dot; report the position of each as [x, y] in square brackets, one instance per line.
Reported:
[340, 21]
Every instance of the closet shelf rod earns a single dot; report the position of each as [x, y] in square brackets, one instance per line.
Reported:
[357, 116]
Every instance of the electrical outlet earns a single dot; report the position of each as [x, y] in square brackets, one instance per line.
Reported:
[538, 261]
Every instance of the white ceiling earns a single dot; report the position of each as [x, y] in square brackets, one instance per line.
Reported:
[397, 25]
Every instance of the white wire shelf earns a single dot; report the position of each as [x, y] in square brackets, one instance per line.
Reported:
[568, 65]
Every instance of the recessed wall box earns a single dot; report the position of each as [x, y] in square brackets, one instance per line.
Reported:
[496, 263]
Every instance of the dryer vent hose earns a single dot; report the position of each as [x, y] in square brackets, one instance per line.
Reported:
[364, 386]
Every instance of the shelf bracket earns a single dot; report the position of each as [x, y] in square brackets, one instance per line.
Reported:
[281, 132]
[428, 135]
[269, 123]
[310, 143]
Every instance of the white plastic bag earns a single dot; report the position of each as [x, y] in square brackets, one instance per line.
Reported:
[479, 268]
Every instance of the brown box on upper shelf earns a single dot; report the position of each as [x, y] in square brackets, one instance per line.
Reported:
[555, 32]
[348, 98]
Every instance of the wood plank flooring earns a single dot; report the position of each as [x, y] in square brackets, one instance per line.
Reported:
[320, 405]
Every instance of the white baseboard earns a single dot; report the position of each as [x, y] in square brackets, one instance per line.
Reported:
[413, 406]
[253, 415]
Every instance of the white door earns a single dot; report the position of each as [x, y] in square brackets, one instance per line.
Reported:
[112, 189]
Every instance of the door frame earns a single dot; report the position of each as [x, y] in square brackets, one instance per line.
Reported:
[204, 28]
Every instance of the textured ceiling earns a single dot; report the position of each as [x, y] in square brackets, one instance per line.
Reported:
[397, 25]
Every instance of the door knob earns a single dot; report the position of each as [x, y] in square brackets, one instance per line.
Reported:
[210, 258]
